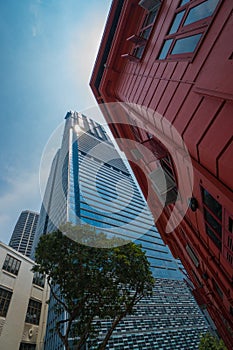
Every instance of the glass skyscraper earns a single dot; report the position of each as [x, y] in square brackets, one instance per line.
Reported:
[89, 183]
[24, 232]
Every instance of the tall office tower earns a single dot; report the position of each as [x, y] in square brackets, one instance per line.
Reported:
[89, 183]
[24, 232]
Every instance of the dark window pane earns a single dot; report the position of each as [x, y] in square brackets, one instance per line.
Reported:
[218, 290]
[145, 33]
[150, 18]
[212, 204]
[11, 265]
[5, 298]
[213, 223]
[38, 279]
[176, 22]
[204, 10]
[187, 44]
[230, 225]
[138, 51]
[165, 49]
[33, 312]
[213, 237]
[231, 310]
[27, 346]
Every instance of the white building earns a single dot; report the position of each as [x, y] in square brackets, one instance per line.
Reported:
[23, 307]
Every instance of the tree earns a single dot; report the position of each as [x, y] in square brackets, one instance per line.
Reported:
[209, 342]
[89, 282]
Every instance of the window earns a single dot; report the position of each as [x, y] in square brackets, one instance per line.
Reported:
[38, 279]
[141, 39]
[231, 310]
[11, 265]
[189, 24]
[164, 185]
[27, 346]
[230, 225]
[192, 255]
[213, 218]
[196, 278]
[217, 289]
[33, 312]
[5, 298]
[228, 249]
[212, 204]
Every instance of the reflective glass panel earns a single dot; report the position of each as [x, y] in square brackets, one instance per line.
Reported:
[139, 51]
[187, 44]
[213, 223]
[212, 204]
[145, 34]
[165, 49]
[176, 22]
[204, 10]
[150, 18]
[183, 2]
[213, 237]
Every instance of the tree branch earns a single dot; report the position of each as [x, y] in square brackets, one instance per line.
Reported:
[60, 301]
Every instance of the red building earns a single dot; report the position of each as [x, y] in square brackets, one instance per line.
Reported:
[169, 65]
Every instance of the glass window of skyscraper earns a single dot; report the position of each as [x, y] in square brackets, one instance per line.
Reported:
[24, 231]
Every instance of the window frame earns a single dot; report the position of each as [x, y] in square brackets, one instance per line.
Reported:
[34, 309]
[5, 301]
[211, 232]
[218, 291]
[12, 265]
[27, 346]
[184, 31]
[38, 279]
[140, 42]
[228, 237]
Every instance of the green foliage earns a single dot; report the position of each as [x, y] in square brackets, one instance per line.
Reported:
[209, 342]
[89, 282]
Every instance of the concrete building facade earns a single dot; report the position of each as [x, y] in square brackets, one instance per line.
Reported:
[23, 308]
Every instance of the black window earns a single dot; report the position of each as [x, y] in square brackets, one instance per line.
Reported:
[213, 205]
[189, 24]
[214, 237]
[39, 279]
[11, 264]
[27, 346]
[213, 217]
[231, 310]
[5, 298]
[230, 225]
[217, 289]
[33, 312]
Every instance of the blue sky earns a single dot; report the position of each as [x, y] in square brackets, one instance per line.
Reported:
[48, 49]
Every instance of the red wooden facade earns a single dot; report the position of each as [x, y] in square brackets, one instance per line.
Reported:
[175, 59]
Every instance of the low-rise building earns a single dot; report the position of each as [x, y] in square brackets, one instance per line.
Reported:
[23, 307]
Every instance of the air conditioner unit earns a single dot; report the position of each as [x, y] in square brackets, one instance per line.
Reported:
[149, 4]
